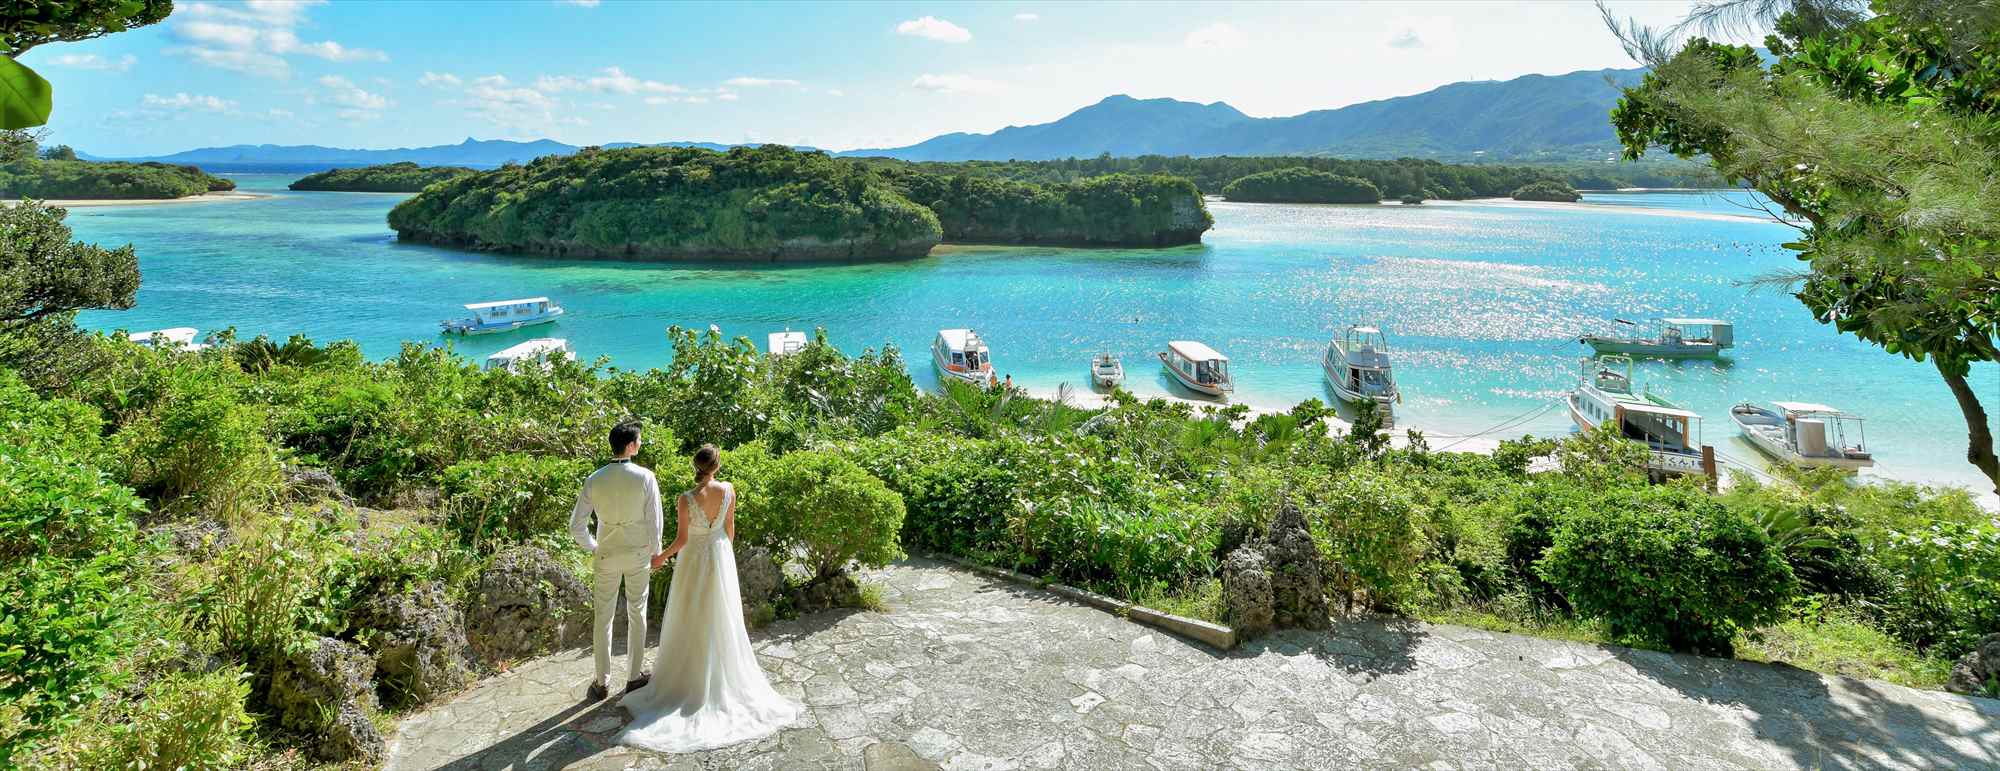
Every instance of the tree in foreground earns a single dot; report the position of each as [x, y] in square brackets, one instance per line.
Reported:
[1878, 133]
[45, 278]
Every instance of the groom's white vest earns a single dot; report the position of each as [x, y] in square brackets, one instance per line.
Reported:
[626, 499]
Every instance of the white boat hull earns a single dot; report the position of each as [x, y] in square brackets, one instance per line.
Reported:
[460, 328]
[1773, 445]
[982, 378]
[1218, 390]
[1337, 380]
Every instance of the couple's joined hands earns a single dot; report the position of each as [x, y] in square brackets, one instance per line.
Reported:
[660, 559]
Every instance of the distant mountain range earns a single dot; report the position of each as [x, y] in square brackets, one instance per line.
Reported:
[1535, 117]
[1530, 118]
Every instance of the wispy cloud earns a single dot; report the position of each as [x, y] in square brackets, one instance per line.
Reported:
[1220, 35]
[1408, 38]
[747, 82]
[1027, 17]
[954, 84]
[95, 62]
[356, 102]
[256, 38]
[443, 79]
[934, 28]
[186, 102]
[580, 3]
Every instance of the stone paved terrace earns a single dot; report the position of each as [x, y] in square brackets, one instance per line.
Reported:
[968, 672]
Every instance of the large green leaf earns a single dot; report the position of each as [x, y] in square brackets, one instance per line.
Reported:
[24, 96]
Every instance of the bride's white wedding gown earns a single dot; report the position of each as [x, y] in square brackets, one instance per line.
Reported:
[707, 690]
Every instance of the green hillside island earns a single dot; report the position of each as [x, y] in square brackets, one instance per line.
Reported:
[403, 177]
[1547, 190]
[1392, 178]
[1301, 185]
[54, 179]
[777, 203]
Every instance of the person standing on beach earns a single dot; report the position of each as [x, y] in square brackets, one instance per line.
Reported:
[625, 497]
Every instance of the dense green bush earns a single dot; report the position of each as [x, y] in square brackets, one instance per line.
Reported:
[834, 510]
[507, 498]
[1944, 584]
[181, 721]
[1301, 185]
[1547, 190]
[1114, 210]
[1367, 524]
[285, 580]
[199, 447]
[402, 177]
[957, 493]
[90, 179]
[1131, 551]
[1668, 566]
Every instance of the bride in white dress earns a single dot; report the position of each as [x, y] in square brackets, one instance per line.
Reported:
[706, 690]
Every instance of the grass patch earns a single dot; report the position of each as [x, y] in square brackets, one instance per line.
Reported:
[1554, 626]
[872, 597]
[1203, 601]
[1836, 643]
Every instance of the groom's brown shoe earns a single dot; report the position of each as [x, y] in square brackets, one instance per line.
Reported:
[597, 692]
[633, 685]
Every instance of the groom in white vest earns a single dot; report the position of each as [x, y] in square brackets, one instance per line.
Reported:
[626, 499]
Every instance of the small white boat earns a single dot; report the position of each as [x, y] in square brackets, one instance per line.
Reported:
[960, 355]
[786, 342]
[1804, 434]
[176, 338]
[1357, 366]
[543, 350]
[1106, 371]
[1675, 339]
[1198, 367]
[1670, 434]
[504, 315]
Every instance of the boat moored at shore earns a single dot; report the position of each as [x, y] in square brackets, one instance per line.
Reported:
[1106, 371]
[543, 350]
[787, 342]
[1804, 434]
[1198, 368]
[1671, 435]
[960, 355]
[1674, 339]
[175, 338]
[503, 316]
[1357, 366]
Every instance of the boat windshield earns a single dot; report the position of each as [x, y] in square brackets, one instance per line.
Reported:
[1374, 381]
[973, 360]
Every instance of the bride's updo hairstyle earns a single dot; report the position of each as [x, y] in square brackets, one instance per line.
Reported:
[706, 461]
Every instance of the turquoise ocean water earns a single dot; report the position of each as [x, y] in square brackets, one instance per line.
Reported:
[1482, 300]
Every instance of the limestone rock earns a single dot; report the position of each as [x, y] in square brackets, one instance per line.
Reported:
[1298, 572]
[306, 485]
[839, 591]
[329, 678]
[1978, 668]
[1246, 591]
[526, 604]
[419, 642]
[757, 575]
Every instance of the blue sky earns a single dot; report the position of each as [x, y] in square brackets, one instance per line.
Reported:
[394, 73]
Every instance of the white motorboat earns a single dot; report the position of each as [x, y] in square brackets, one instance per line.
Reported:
[1674, 339]
[1357, 366]
[1670, 434]
[174, 338]
[543, 350]
[787, 342]
[960, 355]
[1106, 371]
[504, 315]
[1198, 367]
[1804, 434]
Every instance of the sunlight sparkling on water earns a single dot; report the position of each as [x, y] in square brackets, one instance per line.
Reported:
[1482, 300]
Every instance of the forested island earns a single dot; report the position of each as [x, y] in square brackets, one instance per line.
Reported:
[778, 203]
[1547, 190]
[55, 178]
[402, 177]
[764, 203]
[1299, 184]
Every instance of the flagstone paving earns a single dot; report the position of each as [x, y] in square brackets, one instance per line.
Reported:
[967, 672]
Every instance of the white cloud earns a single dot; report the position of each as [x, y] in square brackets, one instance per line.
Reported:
[552, 84]
[835, 92]
[186, 102]
[495, 99]
[1408, 38]
[934, 28]
[254, 38]
[439, 79]
[343, 92]
[95, 62]
[1219, 35]
[726, 96]
[954, 84]
[1027, 17]
[759, 82]
[615, 80]
[580, 3]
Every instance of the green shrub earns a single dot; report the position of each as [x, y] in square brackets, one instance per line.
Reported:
[181, 721]
[957, 493]
[507, 498]
[199, 448]
[285, 579]
[1944, 584]
[1133, 551]
[1367, 525]
[67, 603]
[1668, 566]
[835, 510]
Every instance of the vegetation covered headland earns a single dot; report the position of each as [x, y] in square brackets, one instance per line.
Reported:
[1547, 190]
[1113, 210]
[1299, 184]
[402, 177]
[56, 174]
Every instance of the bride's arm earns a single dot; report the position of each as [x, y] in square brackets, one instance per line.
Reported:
[680, 533]
[729, 523]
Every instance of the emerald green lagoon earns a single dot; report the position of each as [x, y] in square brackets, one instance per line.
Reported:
[1483, 302]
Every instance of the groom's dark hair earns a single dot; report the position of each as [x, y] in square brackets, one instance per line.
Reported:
[623, 435]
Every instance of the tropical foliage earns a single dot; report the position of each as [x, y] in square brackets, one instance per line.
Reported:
[1546, 190]
[1299, 184]
[404, 177]
[59, 179]
[1112, 210]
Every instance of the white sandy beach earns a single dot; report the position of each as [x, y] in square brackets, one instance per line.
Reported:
[80, 203]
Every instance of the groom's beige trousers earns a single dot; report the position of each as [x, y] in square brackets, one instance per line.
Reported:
[633, 571]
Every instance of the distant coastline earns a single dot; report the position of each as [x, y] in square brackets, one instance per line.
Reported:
[85, 203]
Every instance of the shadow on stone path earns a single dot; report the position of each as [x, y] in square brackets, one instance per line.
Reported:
[968, 672]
